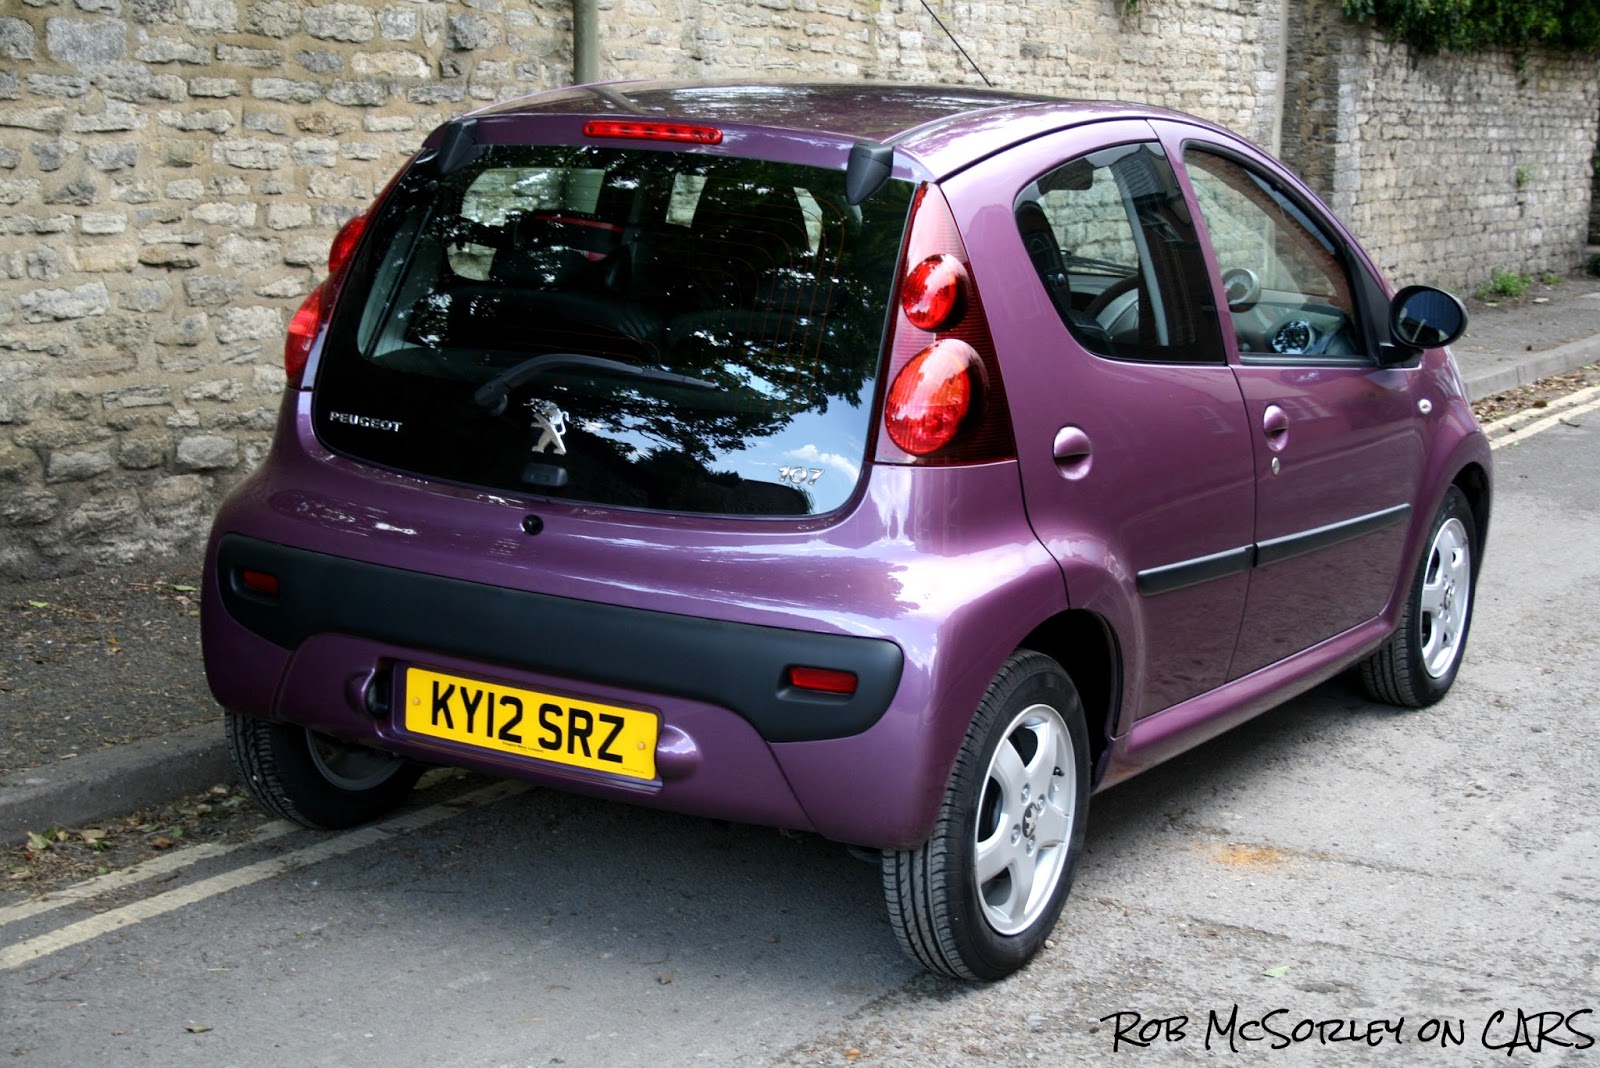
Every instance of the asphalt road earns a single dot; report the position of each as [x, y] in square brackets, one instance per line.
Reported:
[1410, 877]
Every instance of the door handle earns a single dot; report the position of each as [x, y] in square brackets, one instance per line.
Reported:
[1275, 425]
[1073, 453]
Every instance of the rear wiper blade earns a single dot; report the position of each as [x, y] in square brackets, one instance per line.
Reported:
[492, 394]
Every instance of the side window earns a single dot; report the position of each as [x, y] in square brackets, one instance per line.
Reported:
[1287, 289]
[1115, 248]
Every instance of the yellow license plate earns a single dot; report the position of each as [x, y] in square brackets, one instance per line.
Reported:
[543, 726]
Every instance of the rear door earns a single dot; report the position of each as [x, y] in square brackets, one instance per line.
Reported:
[1132, 440]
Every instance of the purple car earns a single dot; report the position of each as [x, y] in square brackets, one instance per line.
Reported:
[899, 464]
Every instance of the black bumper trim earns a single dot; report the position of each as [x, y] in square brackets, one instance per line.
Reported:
[586, 641]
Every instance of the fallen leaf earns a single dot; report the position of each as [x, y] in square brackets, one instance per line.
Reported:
[37, 842]
[39, 604]
[197, 1029]
[663, 978]
[92, 834]
[1277, 972]
[181, 588]
[852, 1054]
[162, 842]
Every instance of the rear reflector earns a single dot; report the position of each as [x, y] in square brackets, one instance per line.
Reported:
[259, 581]
[654, 131]
[823, 680]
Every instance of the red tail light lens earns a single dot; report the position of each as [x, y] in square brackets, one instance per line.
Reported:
[931, 397]
[308, 321]
[945, 403]
[345, 241]
[654, 131]
[312, 316]
[933, 292]
[823, 680]
[303, 330]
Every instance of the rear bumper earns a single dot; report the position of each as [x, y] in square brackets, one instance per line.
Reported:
[656, 653]
[328, 653]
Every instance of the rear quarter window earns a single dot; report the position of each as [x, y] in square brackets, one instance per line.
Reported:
[1116, 251]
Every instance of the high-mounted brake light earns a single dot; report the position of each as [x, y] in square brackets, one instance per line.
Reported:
[682, 133]
[945, 402]
[933, 292]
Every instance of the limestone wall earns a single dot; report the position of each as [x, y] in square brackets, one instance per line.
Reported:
[171, 172]
[1448, 167]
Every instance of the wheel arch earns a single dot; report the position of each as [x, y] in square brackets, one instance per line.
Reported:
[1085, 646]
[1473, 481]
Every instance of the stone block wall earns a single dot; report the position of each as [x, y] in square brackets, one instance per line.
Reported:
[1448, 167]
[171, 174]
[172, 171]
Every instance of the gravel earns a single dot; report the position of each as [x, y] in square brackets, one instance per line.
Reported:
[100, 659]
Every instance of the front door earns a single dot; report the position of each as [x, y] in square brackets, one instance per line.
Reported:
[1338, 449]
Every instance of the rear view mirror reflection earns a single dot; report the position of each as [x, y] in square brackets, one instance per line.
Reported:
[1426, 318]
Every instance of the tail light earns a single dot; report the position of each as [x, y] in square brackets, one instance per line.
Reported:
[945, 403]
[303, 331]
[345, 242]
[313, 314]
[932, 397]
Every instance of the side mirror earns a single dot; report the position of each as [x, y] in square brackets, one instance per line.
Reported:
[1421, 317]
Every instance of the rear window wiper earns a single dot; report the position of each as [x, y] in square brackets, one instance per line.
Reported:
[492, 394]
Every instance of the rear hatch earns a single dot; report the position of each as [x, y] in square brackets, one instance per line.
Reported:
[677, 330]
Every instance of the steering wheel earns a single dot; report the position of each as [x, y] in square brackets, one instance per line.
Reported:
[1242, 288]
[1113, 303]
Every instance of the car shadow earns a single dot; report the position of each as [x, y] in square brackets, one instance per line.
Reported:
[649, 899]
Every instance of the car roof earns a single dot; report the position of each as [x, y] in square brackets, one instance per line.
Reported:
[944, 126]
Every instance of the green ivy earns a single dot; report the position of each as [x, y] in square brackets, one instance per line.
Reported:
[1472, 25]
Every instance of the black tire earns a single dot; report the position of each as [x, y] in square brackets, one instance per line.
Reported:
[314, 780]
[941, 915]
[1418, 664]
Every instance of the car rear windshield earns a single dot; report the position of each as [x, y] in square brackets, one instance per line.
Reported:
[650, 329]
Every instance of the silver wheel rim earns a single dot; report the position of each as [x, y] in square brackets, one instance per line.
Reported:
[1446, 597]
[350, 767]
[1026, 809]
